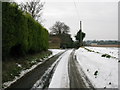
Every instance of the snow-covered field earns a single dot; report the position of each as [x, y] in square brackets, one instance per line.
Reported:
[106, 69]
[108, 50]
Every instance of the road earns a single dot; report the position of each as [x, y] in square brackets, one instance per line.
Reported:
[76, 80]
[29, 79]
[77, 77]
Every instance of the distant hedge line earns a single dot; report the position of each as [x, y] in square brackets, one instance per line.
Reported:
[21, 34]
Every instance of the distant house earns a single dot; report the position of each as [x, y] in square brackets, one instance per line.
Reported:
[54, 41]
[60, 41]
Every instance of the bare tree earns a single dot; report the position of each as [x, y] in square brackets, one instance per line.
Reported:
[34, 7]
[59, 28]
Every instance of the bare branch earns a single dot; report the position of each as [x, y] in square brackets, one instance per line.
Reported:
[34, 7]
[59, 28]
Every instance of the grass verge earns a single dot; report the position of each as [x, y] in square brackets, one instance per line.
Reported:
[14, 66]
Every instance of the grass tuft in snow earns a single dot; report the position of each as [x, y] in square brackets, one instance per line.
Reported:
[105, 87]
[89, 50]
[96, 73]
[87, 69]
[109, 83]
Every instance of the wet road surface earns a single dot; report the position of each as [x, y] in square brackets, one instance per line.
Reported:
[76, 75]
[29, 79]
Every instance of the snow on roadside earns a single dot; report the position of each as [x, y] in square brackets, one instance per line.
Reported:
[56, 51]
[23, 72]
[60, 77]
[107, 75]
[113, 51]
[40, 83]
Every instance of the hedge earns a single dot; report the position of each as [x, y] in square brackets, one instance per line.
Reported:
[21, 34]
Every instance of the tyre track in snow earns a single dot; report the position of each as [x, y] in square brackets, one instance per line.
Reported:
[78, 80]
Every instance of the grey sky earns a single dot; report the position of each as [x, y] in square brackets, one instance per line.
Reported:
[99, 19]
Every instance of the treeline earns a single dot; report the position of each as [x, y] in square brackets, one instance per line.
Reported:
[102, 42]
[61, 31]
[21, 34]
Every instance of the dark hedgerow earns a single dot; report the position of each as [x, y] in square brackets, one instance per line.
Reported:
[21, 34]
[106, 55]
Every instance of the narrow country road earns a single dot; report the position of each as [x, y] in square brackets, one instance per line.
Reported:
[77, 78]
[29, 79]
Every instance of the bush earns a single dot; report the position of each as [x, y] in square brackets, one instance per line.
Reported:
[21, 34]
[106, 55]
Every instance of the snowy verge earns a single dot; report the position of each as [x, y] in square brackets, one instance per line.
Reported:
[101, 71]
[60, 77]
[23, 72]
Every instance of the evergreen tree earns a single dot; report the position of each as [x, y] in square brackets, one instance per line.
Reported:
[79, 37]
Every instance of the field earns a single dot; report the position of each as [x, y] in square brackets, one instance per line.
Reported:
[100, 64]
[105, 45]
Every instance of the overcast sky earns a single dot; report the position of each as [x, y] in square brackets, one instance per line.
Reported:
[99, 19]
